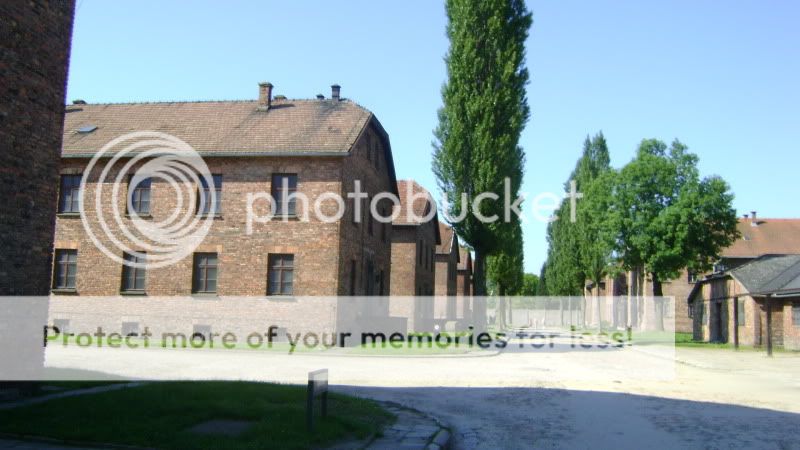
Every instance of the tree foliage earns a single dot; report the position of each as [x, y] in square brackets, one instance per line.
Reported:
[581, 249]
[666, 217]
[530, 285]
[484, 112]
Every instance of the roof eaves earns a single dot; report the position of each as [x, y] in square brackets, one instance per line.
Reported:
[232, 154]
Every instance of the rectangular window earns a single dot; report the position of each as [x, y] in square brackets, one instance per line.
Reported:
[201, 331]
[384, 227]
[130, 328]
[62, 325]
[353, 277]
[205, 273]
[691, 277]
[370, 219]
[133, 272]
[369, 278]
[207, 205]
[283, 186]
[66, 269]
[281, 275]
[140, 197]
[69, 195]
[796, 314]
[740, 312]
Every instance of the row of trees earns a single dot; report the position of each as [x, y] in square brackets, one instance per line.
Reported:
[654, 217]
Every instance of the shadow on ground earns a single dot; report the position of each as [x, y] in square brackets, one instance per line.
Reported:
[512, 418]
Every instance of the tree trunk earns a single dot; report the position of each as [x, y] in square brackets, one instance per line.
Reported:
[500, 308]
[596, 295]
[510, 312]
[479, 293]
[658, 300]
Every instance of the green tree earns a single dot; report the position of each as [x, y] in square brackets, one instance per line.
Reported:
[581, 237]
[505, 272]
[666, 217]
[484, 112]
[530, 285]
[541, 288]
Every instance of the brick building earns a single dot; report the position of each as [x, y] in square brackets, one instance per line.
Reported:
[750, 304]
[270, 145]
[464, 283]
[415, 236]
[34, 60]
[758, 237]
[446, 261]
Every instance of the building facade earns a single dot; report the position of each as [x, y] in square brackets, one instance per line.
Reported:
[464, 283]
[287, 148]
[35, 59]
[415, 236]
[446, 261]
[750, 304]
[757, 237]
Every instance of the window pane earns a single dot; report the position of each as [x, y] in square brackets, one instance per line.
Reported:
[286, 289]
[286, 276]
[70, 193]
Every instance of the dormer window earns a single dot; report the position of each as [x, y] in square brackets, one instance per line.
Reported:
[87, 129]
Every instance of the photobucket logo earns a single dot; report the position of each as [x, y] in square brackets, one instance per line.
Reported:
[287, 202]
[130, 164]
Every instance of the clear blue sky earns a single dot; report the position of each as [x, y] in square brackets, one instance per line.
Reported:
[721, 76]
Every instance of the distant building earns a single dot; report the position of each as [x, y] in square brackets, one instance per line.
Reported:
[757, 300]
[464, 283]
[758, 237]
[447, 258]
[414, 241]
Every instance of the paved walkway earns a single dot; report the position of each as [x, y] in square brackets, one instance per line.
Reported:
[412, 430]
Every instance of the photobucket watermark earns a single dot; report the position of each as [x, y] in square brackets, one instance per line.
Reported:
[148, 199]
[386, 207]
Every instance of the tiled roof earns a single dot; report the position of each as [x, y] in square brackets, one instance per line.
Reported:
[770, 274]
[464, 259]
[223, 127]
[771, 236]
[407, 189]
[448, 239]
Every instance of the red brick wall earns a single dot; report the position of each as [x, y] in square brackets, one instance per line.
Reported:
[356, 242]
[36, 46]
[242, 257]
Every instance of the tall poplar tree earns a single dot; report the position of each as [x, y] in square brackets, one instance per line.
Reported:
[484, 111]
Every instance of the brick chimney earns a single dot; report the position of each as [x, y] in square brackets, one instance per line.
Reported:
[335, 90]
[264, 95]
[754, 220]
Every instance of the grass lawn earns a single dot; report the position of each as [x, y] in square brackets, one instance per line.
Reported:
[160, 414]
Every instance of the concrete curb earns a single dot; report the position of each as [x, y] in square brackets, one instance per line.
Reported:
[438, 439]
[441, 441]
